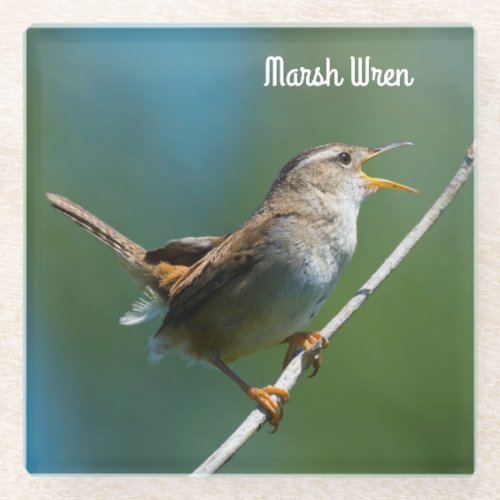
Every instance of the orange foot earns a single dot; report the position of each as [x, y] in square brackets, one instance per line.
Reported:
[305, 340]
[264, 399]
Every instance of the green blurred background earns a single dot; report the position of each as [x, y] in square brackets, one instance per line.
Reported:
[165, 133]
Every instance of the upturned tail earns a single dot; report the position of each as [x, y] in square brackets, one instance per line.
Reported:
[130, 254]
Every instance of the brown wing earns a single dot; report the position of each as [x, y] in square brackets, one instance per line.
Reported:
[183, 252]
[234, 256]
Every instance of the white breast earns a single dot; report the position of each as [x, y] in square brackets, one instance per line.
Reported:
[300, 277]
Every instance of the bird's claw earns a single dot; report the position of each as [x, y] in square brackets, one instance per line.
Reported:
[273, 407]
[305, 340]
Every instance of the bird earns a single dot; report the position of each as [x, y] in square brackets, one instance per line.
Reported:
[225, 297]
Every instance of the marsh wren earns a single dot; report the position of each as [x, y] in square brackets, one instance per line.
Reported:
[230, 296]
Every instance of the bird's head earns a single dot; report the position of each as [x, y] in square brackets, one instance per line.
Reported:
[336, 169]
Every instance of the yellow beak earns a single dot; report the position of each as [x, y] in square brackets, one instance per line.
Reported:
[383, 183]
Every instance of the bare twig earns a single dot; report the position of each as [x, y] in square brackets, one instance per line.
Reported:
[301, 363]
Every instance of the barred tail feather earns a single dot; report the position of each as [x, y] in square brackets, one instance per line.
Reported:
[131, 254]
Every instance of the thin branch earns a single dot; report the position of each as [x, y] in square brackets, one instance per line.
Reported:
[301, 363]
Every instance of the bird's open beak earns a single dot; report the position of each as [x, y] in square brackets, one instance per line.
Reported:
[382, 183]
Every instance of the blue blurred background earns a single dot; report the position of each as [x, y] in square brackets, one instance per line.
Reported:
[165, 133]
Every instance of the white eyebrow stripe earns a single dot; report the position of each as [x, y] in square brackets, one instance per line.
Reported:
[320, 155]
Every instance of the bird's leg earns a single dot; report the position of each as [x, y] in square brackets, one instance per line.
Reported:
[304, 340]
[262, 396]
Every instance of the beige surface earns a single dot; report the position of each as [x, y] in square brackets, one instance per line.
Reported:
[16, 17]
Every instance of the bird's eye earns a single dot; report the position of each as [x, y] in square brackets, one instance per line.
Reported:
[344, 158]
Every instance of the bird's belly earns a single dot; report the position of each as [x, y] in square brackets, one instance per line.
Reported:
[257, 311]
